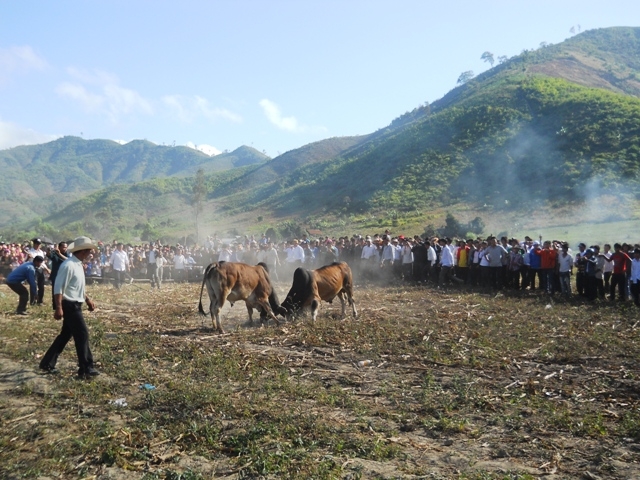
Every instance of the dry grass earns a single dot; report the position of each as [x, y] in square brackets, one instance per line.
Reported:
[459, 385]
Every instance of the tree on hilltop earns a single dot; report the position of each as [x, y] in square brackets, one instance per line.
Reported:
[488, 57]
[465, 77]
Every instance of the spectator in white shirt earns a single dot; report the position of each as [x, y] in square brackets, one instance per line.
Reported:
[179, 264]
[159, 272]
[119, 265]
[446, 264]
[565, 268]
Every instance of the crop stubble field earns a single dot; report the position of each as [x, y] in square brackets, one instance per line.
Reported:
[454, 385]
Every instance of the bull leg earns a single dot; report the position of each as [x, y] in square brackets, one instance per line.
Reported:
[215, 316]
[267, 308]
[250, 311]
[315, 306]
[349, 293]
[343, 303]
[353, 306]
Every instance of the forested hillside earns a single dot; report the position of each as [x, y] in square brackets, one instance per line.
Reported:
[526, 132]
[527, 138]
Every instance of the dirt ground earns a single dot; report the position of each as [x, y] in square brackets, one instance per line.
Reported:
[491, 427]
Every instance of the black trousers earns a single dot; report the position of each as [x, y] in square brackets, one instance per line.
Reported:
[73, 325]
[495, 277]
[635, 293]
[22, 291]
[581, 282]
[618, 280]
[151, 273]
[119, 277]
[40, 282]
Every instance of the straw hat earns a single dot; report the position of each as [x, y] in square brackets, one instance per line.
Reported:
[81, 243]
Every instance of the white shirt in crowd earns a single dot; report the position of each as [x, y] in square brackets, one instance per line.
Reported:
[484, 259]
[446, 257]
[432, 257]
[224, 255]
[387, 253]
[369, 251]
[295, 253]
[407, 254]
[608, 266]
[119, 260]
[565, 262]
[178, 262]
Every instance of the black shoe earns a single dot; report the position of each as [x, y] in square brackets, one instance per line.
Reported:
[49, 369]
[88, 373]
[22, 313]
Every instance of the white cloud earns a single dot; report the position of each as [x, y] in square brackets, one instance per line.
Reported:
[100, 92]
[126, 101]
[188, 109]
[95, 77]
[91, 102]
[12, 135]
[19, 60]
[175, 104]
[289, 124]
[208, 149]
[273, 114]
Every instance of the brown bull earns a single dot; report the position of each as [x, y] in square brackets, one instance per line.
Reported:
[238, 281]
[324, 283]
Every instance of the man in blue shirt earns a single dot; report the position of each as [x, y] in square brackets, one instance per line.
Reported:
[26, 271]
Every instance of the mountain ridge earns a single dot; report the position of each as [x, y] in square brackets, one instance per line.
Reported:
[469, 146]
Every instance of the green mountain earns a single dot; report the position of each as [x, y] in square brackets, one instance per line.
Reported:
[513, 134]
[555, 126]
[39, 179]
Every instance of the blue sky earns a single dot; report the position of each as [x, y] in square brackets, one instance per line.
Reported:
[274, 75]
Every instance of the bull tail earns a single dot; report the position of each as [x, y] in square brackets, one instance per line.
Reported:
[204, 279]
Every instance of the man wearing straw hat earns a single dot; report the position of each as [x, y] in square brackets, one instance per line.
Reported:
[68, 296]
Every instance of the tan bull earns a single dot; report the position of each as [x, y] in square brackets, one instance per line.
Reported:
[238, 281]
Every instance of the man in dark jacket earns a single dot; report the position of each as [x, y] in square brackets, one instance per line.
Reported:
[57, 256]
[25, 272]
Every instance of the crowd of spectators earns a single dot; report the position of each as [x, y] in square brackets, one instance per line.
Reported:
[489, 264]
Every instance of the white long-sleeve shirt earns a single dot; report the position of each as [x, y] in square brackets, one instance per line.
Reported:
[446, 257]
[432, 257]
[369, 251]
[387, 253]
[119, 260]
[295, 253]
[179, 262]
[407, 254]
